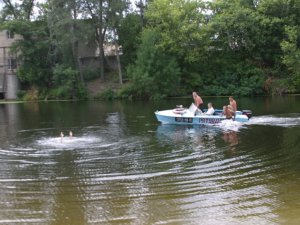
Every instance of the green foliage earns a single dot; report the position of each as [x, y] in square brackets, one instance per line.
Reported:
[180, 24]
[21, 94]
[108, 94]
[209, 53]
[154, 74]
[291, 56]
[90, 74]
[251, 81]
[64, 75]
[221, 47]
[59, 93]
[129, 31]
[66, 81]
[190, 80]
[239, 80]
[32, 51]
[81, 91]
[17, 11]
[36, 68]
[32, 94]
[279, 86]
[247, 47]
[126, 92]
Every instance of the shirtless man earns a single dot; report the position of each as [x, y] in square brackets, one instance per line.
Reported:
[233, 103]
[226, 112]
[197, 99]
[233, 106]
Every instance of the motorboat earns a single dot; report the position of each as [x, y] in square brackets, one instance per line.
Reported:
[193, 115]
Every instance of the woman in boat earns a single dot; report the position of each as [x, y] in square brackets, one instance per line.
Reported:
[210, 109]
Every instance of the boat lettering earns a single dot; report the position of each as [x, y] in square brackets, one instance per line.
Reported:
[210, 120]
[184, 119]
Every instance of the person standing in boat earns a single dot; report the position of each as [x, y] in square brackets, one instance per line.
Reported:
[197, 100]
[233, 105]
[210, 109]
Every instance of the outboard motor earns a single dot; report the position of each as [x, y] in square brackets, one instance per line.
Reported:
[248, 113]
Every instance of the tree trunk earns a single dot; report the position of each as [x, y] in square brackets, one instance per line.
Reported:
[101, 58]
[118, 60]
[119, 66]
[101, 42]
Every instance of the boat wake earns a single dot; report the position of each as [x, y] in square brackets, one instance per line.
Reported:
[230, 125]
[289, 120]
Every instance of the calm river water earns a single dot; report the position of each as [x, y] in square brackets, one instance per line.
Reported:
[122, 167]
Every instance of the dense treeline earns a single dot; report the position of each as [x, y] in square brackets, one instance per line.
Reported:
[170, 47]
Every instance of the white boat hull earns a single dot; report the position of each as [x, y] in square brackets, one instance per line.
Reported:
[187, 117]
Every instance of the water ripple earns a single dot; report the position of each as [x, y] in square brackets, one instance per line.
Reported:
[184, 175]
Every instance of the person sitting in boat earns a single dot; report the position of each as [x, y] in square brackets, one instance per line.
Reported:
[210, 109]
[226, 112]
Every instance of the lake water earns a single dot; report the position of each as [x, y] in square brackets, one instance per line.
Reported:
[122, 167]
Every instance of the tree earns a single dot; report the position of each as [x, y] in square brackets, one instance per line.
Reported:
[240, 47]
[182, 37]
[237, 46]
[155, 74]
[291, 56]
[284, 20]
[33, 51]
[180, 23]
[17, 11]
[246, 45]
[66, 31]
[141, 6]
[48, 50]
[105, 15]
[129, 37]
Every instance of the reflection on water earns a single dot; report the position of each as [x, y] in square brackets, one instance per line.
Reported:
[217, 185]
[122, 167]
[231, 137]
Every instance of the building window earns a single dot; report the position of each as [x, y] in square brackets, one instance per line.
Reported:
[10, 34]
[12, 64]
